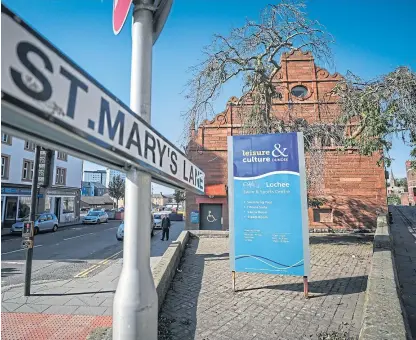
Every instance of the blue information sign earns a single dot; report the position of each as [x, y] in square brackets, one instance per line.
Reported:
[268, 208]
[195, 216]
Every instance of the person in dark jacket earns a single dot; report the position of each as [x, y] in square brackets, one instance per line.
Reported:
[165, 227]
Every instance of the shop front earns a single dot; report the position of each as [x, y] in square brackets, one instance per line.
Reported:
[15, 204]
[64, 203]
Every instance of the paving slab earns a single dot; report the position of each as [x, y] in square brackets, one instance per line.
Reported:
[88, 310]
[60, 310]
[10, 306]
[32, 308]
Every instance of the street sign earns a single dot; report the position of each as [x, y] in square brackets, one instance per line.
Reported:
[120, 11]
[268, 209]
[160, 8]
[50, 100]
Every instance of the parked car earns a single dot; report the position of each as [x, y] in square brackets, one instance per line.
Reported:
[43, 222]
[157, 221]
[95, 217]
[111, 213]
[120, 231]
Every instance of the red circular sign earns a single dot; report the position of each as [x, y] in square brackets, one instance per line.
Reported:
[120, 12]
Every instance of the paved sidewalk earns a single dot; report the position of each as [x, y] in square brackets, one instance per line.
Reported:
[80, 296]
[84, 303]
[403, 230]
[201, 304]
[52, 327]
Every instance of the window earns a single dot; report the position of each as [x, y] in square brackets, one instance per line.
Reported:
[299, 91]
[6, 139]
[63, 156]
[322, 215]
[50, 217]
[30, 146]
[69, 204]
[60, 176]
[5, 165]
[27, 173]
[24, 206]
[48, 203]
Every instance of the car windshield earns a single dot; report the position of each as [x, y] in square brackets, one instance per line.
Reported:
[157, 216]
[94, 213]
[27, 218]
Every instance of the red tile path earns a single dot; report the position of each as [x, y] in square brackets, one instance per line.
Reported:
[27, 326]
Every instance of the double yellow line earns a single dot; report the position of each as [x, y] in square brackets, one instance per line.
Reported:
[96, 266]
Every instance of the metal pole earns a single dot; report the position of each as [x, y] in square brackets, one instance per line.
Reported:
[135, 308]
[34, 196]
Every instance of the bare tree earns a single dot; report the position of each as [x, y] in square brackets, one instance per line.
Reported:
[379, 109]
[252, 54]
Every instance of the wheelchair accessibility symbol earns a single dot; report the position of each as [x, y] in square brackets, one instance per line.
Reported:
[211, 218]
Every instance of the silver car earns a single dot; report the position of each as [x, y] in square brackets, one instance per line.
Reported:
[120, 231]
[95, 217]
[157, 221]
[43, 222]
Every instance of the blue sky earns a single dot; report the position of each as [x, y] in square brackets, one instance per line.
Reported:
[372, 37]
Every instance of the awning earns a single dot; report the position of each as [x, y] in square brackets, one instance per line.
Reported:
[215, 190]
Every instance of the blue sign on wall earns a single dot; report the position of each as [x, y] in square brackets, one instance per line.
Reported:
[268, 208]
[195, 216]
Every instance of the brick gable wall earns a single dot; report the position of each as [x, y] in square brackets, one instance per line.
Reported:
[354, 185]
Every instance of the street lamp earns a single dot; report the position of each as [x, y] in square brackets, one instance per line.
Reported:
[135, 308]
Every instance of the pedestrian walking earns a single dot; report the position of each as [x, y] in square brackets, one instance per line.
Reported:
[165, 227]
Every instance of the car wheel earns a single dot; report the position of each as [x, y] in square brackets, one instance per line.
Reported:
[106, 221]
[55, 228]
[36, 231]
[119, 239]
[98, 221]
[152, 233]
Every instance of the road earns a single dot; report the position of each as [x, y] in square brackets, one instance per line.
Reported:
[77, 251]
[404, 235]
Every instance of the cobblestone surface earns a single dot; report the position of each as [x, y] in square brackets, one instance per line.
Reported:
[201, 304]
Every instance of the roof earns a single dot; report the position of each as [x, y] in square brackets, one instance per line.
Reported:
[98, 185]
[95, 171]
[97, 200]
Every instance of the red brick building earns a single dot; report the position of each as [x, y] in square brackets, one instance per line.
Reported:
[354, 186]
[411, 184]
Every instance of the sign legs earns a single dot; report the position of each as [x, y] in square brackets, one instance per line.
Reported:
[135, 308]
[233, 281]
[305, 287]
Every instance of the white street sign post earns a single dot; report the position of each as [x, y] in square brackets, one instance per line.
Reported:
[50, 100]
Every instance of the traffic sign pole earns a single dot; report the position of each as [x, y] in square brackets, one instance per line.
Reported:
[135, 308]
[34, 195]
